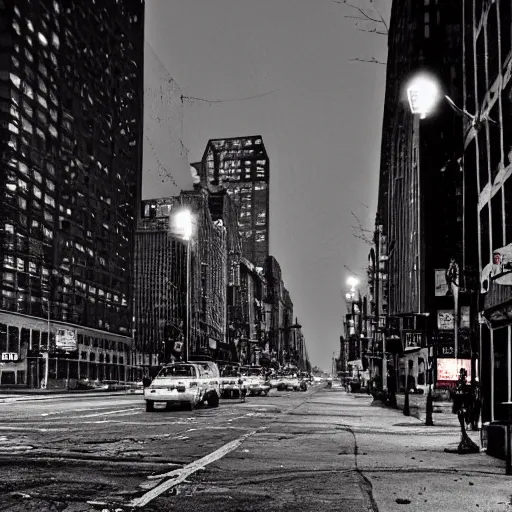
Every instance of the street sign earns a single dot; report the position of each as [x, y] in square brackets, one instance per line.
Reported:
[9, 356]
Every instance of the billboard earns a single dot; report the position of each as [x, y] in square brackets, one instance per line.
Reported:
[65, 339]
[448, 370]
[446, 319]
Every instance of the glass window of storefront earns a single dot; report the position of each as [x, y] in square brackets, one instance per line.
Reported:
[3, 338]
[14, 340]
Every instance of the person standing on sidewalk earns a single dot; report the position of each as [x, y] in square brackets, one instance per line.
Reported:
[243, 388]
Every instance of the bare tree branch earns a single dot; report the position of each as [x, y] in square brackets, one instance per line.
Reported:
[373, 31]
[364, 239]
[351, 271]
[364, 15]
[367, 16]
[360, 231]
[373, 60]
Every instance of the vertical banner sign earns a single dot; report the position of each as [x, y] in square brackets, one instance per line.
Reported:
[441, 287]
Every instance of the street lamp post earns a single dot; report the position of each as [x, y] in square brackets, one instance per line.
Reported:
[424, 95]
[183, 223]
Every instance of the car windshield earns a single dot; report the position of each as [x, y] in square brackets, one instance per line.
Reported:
[229, 371]
[178, 370]
[252, 372]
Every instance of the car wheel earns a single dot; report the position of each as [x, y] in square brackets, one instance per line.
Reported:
[149, 406]
[213, 400]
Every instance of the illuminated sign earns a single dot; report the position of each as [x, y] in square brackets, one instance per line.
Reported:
[65, 339]
[448, 369]
[9, 356]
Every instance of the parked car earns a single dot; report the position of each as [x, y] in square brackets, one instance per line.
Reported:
[289, 381]
[112, 385]
[187, 384]
[229, 386]
[135, 387]
[254, 380]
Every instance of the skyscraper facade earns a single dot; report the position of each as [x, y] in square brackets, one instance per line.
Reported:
[419, 226]
[71, 82]
[241, 165]
[488, 165]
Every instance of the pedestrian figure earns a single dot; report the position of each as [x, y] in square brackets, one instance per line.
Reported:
[243, 389]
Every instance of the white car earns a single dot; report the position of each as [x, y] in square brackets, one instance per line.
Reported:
[254, 380]
[184, 384]
[229, 386]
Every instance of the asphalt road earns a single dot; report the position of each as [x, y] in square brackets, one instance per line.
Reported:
[322, 450]
[95, 453]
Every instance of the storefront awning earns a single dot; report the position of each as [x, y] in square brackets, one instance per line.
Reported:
[497, 304]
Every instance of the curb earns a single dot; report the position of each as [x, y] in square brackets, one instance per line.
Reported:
[72, 396]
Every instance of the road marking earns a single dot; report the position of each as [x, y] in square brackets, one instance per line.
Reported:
[109, 413]
[69, 411]
[180, 475]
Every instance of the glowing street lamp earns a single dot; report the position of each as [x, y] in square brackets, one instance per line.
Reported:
[423, 95]
[352, 282]
[183, 224]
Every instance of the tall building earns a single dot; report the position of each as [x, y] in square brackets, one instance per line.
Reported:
[160, 283]
[160, 276]
[488, 165]
[241, 165]
[419, 225]
[71, 82]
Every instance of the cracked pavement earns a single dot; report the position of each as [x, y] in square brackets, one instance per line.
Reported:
[322, 449]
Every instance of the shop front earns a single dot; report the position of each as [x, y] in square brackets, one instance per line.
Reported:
[36, 353]
[495, 365]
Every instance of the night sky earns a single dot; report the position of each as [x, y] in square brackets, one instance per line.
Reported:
[321, 125]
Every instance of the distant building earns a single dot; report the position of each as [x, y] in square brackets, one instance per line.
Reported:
[282, 327]
[160, 276]
[71, 82]
[160, 283]
[241, 165]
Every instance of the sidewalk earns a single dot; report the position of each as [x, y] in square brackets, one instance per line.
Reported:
[409, 470]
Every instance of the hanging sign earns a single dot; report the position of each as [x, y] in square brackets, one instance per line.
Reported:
[9, 356]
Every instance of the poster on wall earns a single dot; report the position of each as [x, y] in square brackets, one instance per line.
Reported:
[445, 319]
[464, 317]
[441, 287]
[448, 370]
[65, 339]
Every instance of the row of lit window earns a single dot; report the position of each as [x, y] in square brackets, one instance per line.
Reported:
[54, 38]
[20, 185]
[235, 142]
[36, 175]
[20, 265]
[9, 228]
